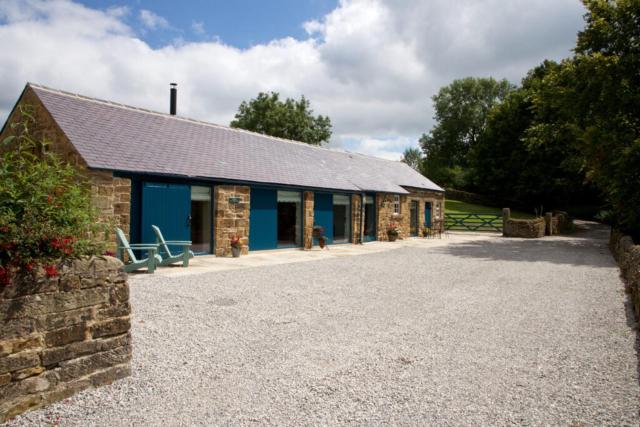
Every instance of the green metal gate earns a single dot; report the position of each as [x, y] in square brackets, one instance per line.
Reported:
[473, 222]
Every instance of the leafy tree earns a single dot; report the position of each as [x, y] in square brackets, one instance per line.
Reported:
[461, 110]
[528, 152]
[289, 119]
[412, 157]
[603, 94]
[46, 215]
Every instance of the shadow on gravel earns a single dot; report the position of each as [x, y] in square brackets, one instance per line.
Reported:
[585, 247]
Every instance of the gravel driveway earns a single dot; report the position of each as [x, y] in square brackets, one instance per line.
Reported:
[483, 332]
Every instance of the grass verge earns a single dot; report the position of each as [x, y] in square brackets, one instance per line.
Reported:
[458, 207]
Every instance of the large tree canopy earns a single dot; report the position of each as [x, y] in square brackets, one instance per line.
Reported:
[289, 119]
[528, 152]
[603, 93]
[461, 111]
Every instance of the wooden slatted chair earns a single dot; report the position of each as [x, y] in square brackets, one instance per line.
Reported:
[167, 257]
[133, 262]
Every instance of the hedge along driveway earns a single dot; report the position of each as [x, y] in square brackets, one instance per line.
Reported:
[487, 331]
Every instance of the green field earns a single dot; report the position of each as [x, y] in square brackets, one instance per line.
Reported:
[458, 207]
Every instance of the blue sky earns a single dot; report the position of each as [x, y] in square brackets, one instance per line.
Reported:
[241, 23]
[372, 66]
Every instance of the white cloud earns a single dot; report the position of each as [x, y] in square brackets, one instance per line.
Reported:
[152, 21]
[198, 28]
[370, 65]
[387, 148]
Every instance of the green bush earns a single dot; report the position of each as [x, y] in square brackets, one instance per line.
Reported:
[46, 215]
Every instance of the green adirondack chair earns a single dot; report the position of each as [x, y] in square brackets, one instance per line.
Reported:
[167, 257]
[134, 263]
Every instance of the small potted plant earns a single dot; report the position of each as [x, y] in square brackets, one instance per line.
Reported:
[318, 233]
[392, 232]
[426, 231]
[236, 246]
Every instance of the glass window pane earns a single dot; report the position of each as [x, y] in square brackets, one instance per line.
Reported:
[341, 218]
[341, 199]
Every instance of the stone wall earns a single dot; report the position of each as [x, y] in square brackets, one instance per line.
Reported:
[231, 219]
[307, 212]
[557, 222]
[385, 216]
[627, 255]
[111, 195]
[63, 334]
[356, 218]
[527, 228]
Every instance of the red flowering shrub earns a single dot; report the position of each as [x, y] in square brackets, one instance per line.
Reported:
[46, 215]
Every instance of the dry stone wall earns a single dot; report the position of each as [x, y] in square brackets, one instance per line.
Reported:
[231, 217]
[627, 255]
[63, 334]
[527, 228]
[557, 222]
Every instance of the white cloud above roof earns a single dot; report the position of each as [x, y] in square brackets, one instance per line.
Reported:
[152, 21]
[370, 65]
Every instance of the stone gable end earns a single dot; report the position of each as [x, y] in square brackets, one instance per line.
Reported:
[110, 195]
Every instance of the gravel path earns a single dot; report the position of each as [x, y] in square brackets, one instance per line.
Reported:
[485, 332]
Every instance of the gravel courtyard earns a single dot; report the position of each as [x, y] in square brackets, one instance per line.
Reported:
[487, 331]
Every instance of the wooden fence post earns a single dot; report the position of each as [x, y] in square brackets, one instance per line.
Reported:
[548, 218]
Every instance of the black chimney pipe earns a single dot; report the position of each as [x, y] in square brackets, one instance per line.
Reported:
[174, 98]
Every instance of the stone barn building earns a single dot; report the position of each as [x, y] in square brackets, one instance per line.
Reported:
[204, 182]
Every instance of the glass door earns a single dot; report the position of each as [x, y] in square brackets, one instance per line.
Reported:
[201, 218]
[413, 225]
[341, 218]
[369, 218]
[289, 218]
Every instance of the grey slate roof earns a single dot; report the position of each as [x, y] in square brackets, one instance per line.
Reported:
[117, 137]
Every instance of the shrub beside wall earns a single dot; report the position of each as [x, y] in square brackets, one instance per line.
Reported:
[627, 255]
[64, 333]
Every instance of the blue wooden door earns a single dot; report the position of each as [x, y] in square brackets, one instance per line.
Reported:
[169, 207]
[323, 214]
[263, 219]
[427, 214]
